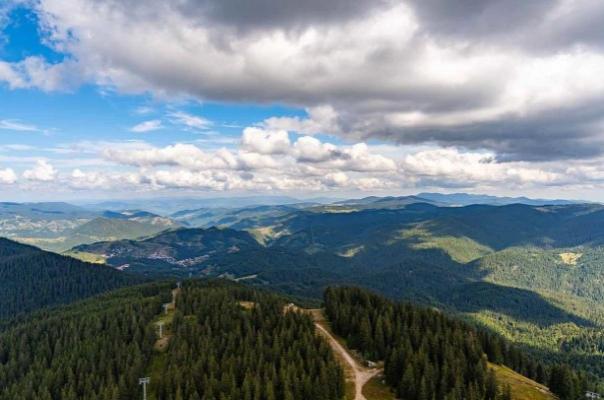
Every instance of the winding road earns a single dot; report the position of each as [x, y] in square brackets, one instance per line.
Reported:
[362, 375]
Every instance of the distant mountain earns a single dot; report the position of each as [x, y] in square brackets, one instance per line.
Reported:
[223, 253]
[60, 226]
[48, 211]
[239, 218]
[465, 199]
[377, 203]
[167, 206]
[31, 279]
[123, 227]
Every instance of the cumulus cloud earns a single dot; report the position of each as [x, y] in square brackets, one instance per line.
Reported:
[486, 74]
[147, 126]
[471, 92]
[449, 164]
[321, 119]
[269, 160]
[7, 176]
[265, 142]
[309, 164]
[41, 172]
[36, 72]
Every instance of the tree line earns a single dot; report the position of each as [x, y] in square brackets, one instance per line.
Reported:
[96, 349]
[31, 279]
[223, 350]
[428, 355]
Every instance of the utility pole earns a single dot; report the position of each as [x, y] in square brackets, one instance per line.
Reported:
[161, 329]
[166, 308]
[144, 381]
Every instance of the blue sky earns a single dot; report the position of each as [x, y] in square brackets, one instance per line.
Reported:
[103, 99]
[90, 112]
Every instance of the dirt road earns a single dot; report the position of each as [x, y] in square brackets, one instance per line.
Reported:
[362, 375]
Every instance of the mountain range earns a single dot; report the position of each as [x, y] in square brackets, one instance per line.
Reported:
[517, 269]
[61, 226]
[531, 273]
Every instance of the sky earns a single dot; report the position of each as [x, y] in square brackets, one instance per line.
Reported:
[108, 99]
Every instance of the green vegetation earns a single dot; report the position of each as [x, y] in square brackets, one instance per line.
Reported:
[221, 349]
[429, 355]
[376, 390]
[514, 269]
[31, 279]
[96, 349]
[86, 257]
[218, 349]
[521, 388]
[460, 249]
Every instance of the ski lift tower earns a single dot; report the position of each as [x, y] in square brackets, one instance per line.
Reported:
[144, 381]
[161, 329]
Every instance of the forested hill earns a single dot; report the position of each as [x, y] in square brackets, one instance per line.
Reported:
[222, 341]
[31, 279]
[431, 356]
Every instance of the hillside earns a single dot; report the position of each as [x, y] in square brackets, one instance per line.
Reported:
[61, 226]
[521, 387]
[224, 341]
[532, 273]
[178, 250]
[31, 279]
[420, 348]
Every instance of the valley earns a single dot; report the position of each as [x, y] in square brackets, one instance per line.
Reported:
[531, 274]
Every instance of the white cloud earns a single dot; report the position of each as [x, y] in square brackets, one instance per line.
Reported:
[310, 149]
[321, 119]
[36, 72]
[42, 172]
[190, 121]
[474, 168]
[262, 141]
[335, 179]
[410, 72]
[7, 176]
[89, 180]
[147, 126]
[12, 125]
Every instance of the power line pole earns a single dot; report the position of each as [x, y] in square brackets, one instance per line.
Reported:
[161, 329]
[144, 381]
[166, 308]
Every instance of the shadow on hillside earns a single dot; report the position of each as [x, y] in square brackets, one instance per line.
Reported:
[433, 278]
[517, 303]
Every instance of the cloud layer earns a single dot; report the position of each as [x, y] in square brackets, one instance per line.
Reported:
[522, 80]
[473, 92]
[273, 160]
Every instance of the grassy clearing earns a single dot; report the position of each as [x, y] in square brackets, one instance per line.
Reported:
[351, 251]
[569, 258]
[375, 389]
[460, 249]
[248, 305]
[86, 257]
[522, 387]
